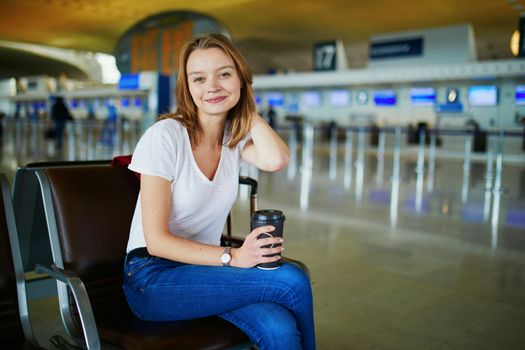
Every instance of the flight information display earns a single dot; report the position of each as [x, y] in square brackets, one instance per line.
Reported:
[520, 95]
[423, 96]
[311, 99]
[483, 95]
[339, 98]
[275, 99]
[385, 98]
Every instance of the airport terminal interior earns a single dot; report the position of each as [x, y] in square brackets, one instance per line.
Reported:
[405, 191]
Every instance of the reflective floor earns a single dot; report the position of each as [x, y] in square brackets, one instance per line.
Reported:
[401, 256]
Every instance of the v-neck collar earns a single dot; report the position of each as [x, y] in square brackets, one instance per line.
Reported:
[196, 166]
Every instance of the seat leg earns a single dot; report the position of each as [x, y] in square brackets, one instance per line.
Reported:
[59, 342]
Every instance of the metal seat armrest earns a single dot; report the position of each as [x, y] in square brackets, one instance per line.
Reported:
[77, 288]
[245, 180]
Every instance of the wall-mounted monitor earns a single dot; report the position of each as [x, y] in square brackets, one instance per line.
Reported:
[275, 99]
[423, 96]
[292, 102]
[258, 100]
[483, 95]
[339, 98]
[129, 82]
[137, 102]
[311, 99]
[520, 94]
[385, 98]
[124, 102]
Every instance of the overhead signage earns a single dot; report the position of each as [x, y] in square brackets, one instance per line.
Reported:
[441, 45]
[325, 56]
[330, 56]
[154, 44]
[449, 108]
[397, 48]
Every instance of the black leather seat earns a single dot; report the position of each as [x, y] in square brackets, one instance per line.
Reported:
[88, 214]
[15, 327]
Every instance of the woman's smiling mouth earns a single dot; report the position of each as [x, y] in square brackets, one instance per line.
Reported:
[216, 99]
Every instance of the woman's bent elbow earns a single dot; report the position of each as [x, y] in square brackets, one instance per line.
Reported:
[278, 163]
[154, 247]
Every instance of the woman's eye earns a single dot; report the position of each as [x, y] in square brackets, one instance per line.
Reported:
[225, 74]
[198, 79]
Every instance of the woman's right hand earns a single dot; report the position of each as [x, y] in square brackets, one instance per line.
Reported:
[251, 252]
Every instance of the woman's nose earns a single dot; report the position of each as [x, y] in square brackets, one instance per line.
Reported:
[213, 85]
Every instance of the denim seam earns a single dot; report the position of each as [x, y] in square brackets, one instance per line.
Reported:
[286, 291]
[131, 273]
[136, 268]
[238, 322]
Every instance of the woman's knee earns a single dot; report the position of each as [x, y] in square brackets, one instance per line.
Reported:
[294, 278]
[277, 328]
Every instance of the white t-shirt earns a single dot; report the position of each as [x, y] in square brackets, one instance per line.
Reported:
[199, 207]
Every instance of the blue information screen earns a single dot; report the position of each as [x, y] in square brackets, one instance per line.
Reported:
[520, 95]
[385, 98]
[275, 99]
[128, 82]
[423, 96]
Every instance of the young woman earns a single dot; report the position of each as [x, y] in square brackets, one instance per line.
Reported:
[189, 165]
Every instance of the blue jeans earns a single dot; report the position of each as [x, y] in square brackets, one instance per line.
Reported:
[274, 308]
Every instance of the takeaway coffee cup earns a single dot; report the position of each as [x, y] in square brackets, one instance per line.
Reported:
[274, 218]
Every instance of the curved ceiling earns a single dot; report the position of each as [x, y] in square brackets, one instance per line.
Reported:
[16, 63]
[287, 28]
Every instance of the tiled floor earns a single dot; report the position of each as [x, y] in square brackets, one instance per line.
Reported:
[387, 273]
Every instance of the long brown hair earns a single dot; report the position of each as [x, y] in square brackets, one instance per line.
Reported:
[239, 116]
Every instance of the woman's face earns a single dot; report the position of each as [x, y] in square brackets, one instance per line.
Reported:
[213, 82]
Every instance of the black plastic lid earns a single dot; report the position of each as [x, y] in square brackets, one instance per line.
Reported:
[268, 215]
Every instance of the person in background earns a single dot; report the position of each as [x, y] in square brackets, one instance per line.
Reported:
[60, 115]
[271, 117]
[189, 164]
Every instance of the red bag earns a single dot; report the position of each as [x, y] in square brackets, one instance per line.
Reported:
[123, 161]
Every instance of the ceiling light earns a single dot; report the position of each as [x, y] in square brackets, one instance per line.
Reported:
[515, 43]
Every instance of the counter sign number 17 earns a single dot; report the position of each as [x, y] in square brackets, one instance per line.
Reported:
[325, 56]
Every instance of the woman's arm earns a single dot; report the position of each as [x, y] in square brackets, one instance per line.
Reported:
[156, 201]
[266, 150]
